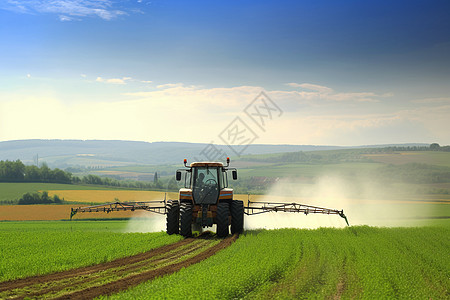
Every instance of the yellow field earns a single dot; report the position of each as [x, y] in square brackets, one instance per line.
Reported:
[105, 196]
[58, 212]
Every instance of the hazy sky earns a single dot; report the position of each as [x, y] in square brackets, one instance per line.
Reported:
[334, 72]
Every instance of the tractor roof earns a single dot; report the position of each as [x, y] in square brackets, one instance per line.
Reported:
[206, 164]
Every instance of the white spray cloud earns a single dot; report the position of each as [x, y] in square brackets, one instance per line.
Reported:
[146, 222]
[365, 201]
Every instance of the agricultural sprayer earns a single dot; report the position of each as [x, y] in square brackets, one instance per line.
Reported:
[206, 200]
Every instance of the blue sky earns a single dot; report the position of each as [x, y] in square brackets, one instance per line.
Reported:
[343, 72]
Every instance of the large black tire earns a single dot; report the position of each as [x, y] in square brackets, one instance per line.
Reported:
[237, 216]
[222, 219]
[186, 219]
[172, 217]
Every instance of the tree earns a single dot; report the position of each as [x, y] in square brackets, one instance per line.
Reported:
[32, 173]
[56, 199]
[435, 146]
[45, 198]
[45, 172]
[155, 178]
[172, 185]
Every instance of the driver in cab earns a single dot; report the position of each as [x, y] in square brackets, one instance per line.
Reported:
[200, 183]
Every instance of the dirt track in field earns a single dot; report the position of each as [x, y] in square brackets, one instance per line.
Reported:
[115, 276]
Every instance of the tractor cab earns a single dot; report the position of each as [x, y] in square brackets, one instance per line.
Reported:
[206, 181]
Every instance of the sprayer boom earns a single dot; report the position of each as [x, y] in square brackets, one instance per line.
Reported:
[253, 208]
[157, 206]
[256, 207]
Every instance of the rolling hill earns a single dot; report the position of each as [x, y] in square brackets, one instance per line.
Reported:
[108, 153]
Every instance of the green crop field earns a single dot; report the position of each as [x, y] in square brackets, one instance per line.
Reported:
[356, 262]
[424, 157]
[31, 248]
[306, 170]
[361, 262]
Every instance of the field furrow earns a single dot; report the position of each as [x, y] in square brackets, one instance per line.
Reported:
[117, 275]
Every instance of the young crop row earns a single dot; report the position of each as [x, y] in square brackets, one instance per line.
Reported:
[356, 262]
[32, 248]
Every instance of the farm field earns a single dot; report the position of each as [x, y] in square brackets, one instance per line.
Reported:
[424, 157]
[112, 274]
[35, 248]
[388, 214]
[357, 209]
[13, 190]
[355, 262]
[105, 196]
[306, 170]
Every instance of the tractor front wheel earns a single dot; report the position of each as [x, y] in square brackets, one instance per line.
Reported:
[237, 216]
[186, 219]
[172, 217]
[222, 219]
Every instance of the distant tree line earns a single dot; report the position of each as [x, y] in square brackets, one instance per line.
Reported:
[432, 147]
[107, 181]
[16, 171]
[39, 198]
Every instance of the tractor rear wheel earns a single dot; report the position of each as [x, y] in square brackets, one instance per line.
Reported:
[237, 216]
[186, 219]
[172, 217]
[222, 219]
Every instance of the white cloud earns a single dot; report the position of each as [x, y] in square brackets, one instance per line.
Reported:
[319, 92]
[222, 100]
[199, 114]
[67, 10]
[122, 80]
[169, 85]
[310, 86]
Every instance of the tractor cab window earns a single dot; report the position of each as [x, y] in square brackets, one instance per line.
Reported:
[206, 185]
[206, 176]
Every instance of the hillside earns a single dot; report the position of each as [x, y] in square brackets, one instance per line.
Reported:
[100, 153]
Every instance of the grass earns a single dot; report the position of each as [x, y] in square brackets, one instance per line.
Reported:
[32, 248]
[356, 262]
[306, 170]
[424, 157]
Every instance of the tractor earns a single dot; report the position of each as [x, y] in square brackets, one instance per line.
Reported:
[206, 200]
